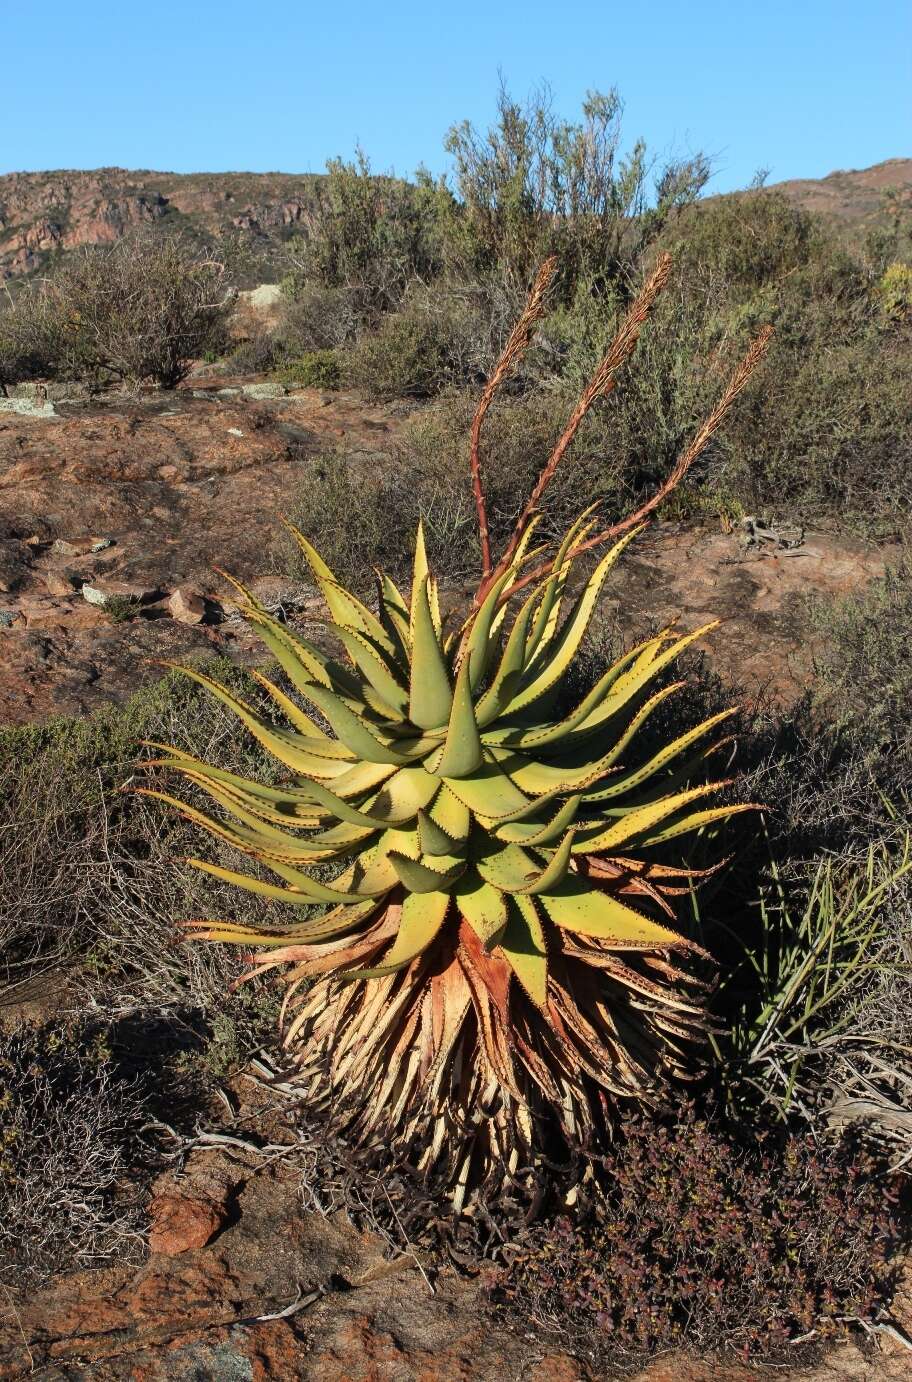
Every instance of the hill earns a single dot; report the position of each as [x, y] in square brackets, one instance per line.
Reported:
[44, 213]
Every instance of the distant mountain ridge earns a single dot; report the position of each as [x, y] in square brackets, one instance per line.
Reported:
[42, 214]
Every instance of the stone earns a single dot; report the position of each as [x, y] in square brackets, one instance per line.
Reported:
[15, 557]
[187, 606]
[60, 582]
[264, 390]
[8, 618]
[79, 546]
[102, 591]
[179, 1223]
[28, 407]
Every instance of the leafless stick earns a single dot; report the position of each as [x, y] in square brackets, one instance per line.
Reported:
[602, 382]
[516, 347]
[683, 464]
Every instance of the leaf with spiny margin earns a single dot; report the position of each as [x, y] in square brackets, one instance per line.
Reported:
[419, 877]
[508, 867]
[261, 818]
[642, 820]
[639, 719]
[348, 914]
[433, 839]
[238, 836]
[580, 907]
[284, 746]
[420, 571]
[352, 730]
[462, 753]
[510, 669]
[697, 821]
[430, 693]
[533, 833]
[288, 797]
[346, 610]
[299, 718]
[554, 872]
[374, 668]
[483, 906]
[554, 663]
[545, 779]
[629, 781]
[523, 945]
[480, 644]
[423, 915]
[394, 616]
[489, 793]
[301, 661]
[629, 684]
[552, 588]
[451, 815]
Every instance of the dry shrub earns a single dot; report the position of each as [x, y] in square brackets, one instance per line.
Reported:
[138, 311]
[91, 880]
[69, 1195]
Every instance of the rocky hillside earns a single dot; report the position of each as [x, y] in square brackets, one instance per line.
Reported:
[44, 213]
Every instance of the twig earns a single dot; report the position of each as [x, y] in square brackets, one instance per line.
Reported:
[602, 382]
[301, 1303]
[405, 1238]
[516, 347]
[683, 464]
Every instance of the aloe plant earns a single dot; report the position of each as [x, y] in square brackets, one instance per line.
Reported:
[494, 950]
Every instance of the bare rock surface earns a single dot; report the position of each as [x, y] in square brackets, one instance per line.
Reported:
[141, 498]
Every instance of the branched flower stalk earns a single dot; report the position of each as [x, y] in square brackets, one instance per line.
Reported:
[488, 957]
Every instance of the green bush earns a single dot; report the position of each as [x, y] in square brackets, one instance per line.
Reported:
[360, 510]
[318, 369]
[865, 664]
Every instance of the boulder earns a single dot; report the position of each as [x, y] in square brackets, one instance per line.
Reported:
[187, 606]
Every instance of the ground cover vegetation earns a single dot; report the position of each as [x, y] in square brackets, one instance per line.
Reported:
[769, 1206]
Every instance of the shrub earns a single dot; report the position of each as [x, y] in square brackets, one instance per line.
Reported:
[371, 232]
[70, 893]
[313, 317]
[258, 355]
[707, 1243]
[138, 311]
[535, 184]
[895, 291]
[68, 1186]
[865, 666]
[318, 369]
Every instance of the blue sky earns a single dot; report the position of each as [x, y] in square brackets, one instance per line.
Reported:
[800, 88]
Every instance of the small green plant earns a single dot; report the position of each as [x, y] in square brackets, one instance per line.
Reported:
[120, 609]
[317, 369]
[494, 955]
[895, 292]
[815, 966]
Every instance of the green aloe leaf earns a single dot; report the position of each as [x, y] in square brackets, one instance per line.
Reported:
[430, 692]
[523, 944]
[462, 750]
[483, 906]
